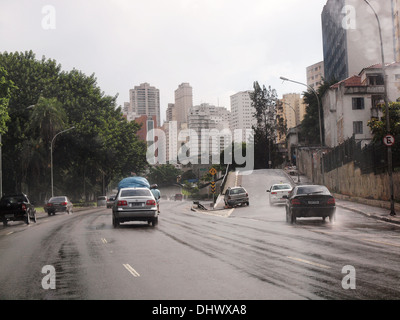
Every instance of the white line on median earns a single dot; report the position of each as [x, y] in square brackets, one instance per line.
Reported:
[131, 270]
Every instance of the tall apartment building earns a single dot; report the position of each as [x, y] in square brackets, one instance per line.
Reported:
[206, 116]
[170, 112]
[242, 111]
[294, 109]
[145, 100]
[183, 102]
[315, 75]
[350, 36]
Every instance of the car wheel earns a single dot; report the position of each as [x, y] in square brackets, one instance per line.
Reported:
[154, 222]
[27, 218]
[5, 222]
[292, 217]
[115, 222]
[248, 203]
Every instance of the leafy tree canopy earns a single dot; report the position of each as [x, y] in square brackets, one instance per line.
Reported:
[47, 100]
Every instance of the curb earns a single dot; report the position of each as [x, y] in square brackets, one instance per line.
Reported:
[369, 215]
[216, 212]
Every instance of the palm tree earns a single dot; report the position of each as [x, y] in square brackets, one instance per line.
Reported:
[47, 118]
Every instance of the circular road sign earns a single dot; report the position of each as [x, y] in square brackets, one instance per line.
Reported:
[388, 140]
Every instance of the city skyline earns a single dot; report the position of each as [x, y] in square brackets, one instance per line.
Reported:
[219, 47]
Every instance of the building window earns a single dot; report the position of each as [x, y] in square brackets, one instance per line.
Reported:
[357, 127]
[358, 103]
[375, 80]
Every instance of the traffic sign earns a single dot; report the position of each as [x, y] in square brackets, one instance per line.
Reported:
[213, 171]
[212, 186]
[388, 140]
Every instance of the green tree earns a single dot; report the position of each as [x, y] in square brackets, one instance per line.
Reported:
[378, 126]
[102, 148]
[165, 174]
[264, 100]
[6, 86]
[310, 124]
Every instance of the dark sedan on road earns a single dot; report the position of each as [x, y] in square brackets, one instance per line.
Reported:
[17, 207]
[59, 204]
[310, 201]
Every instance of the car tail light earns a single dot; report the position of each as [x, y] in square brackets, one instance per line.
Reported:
[49, 204]
[331, 201]
[273, 192]
[295, 202]
[63, 203]
[121, 203]
[247, 194]
[24, 206]
[150, 203]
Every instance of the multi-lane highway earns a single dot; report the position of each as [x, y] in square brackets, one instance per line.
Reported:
[252, 253]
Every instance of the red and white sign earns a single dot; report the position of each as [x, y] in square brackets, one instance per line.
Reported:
[388, 140]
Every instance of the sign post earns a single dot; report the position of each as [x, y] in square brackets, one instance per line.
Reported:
[213, 172]
[388, 140]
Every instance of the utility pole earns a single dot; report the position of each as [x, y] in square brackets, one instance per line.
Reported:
[385, 97]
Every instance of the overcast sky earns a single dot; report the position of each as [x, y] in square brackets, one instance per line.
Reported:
[219, 46]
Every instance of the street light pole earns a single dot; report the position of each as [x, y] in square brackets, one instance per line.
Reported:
[51, 158]
[319, 120]
[385, 98]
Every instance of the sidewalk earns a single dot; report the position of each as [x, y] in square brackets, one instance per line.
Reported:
[377, 209]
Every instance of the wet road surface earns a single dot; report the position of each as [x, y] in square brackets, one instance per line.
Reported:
[252, 254]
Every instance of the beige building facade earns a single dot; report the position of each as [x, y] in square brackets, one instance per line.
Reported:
[315, 75]
[183, 102]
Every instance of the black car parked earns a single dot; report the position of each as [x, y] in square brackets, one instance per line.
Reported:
[16, 207]
[310, 201]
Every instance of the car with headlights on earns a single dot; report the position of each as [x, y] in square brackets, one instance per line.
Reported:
[134, 204]
[277, 191]
[59, 204]
[310, 201]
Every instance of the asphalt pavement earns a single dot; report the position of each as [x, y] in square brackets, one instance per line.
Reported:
[244, 253]
[368, 207]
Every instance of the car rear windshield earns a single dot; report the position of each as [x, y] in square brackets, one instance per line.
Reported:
[135, 193]
[312, 190]
[13, 199]
[281, 187]
[57, 199]
[237, 191]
